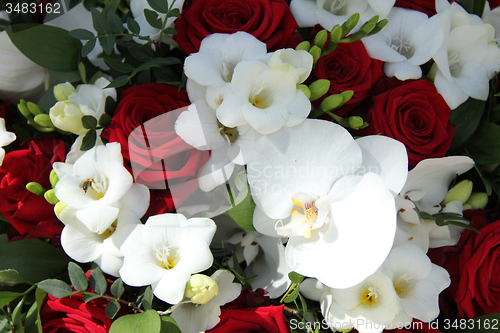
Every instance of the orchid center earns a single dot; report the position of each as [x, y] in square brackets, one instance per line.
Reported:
[369, 296]
[260, 98]
[110, 231]
[167, 257]
[402, 45]
[95, 187]
[229, 133]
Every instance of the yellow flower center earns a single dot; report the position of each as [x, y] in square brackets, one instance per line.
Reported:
[369, 296]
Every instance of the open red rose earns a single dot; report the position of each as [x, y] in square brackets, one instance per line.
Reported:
[414, 113]
[73, 314]
[349, 68]
[270, 21]
[30, 215]
[143, 124]
[425, 6]
[474, 267]
[269, 319]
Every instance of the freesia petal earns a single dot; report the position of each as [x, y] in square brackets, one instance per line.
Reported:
[403, 70]
[80, 243]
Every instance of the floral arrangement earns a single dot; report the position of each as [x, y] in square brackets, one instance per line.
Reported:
[249, 166]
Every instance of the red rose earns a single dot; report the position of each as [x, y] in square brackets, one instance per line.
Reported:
[143, 124]
[73, 314]
[349, 68]
[414, 113]
[494, 3]
[425, 6]
[474, 267]
[269, 319]
[270, 21]
[29, 214]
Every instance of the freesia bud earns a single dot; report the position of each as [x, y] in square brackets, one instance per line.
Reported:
[50, 197]
[23, 108]
[67, 116]
[315, 52]
[320, 38]
[350, 24]
[356, 122]
[332, 102]
[318, 88]
[63, 90]
[201, 289]
[370, 24]
[305, 90]
[305, 45]
[476, 201]
[336, 34]
[53, 178]
[35, 188]
[34, 109]
[43, 120]
[58, 208]
[346, 95]
[460, 192]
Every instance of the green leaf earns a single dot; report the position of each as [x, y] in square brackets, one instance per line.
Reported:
[30, 321]
[88, 47]
[56, 288]
[17, 317]
[242, 213]
[147, 298]
[107, 43]
[148, 321]
[112, 309]
[88, 140]
[117, 288]
[118, 65]
[133, 26]
[89, 122]
[95, 77]
[89, 297]
[141, 54]
[152, 18]
[77, 277]
[174, 13]
[105, 120]
[12, 276]
[484, 145]
[161, 6]
[81, 34]
[34, 259]
[64, 77]
[39, 299]
[99, 22]
[170, 31]
[295, 277]
[111, 6]
[115, 22]
[110, 106]
[50, 47]
[293, 295]
[466, 119]
[168, 325]
[97, 281]
[7, 297]
[119, 81]
[82, 71]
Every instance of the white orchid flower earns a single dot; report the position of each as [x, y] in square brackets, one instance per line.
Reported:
[164, 253]
[327, 192]
[417, 283]
[409, 40]
[94, 186]
[195, 318]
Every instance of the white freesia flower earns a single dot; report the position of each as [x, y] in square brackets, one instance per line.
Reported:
[264, 98]
[417, 283]
[137, 8]
[367, 306]
[467, 60]
[6, 138]
[83, 245]
[265, 259]
[329, 13]
[198, 126]
[492, 17]
[298, 63]
[94, 186]
[19, 76]
[164, 253]
[409, 40]
[425, 189]
[195, 318]
[327, 197]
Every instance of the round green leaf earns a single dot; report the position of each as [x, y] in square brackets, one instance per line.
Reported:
[148, 321]
[77, 277]
[56, 288]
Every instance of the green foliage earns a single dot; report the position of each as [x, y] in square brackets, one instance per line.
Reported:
[242, 213]
[77, 276]
[56, 288]
[148, 321]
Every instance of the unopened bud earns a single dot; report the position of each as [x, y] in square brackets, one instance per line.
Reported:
[43, 120]
[53, 178]
[35, 188]
[460, 192]
[305, 45]
[58, 209]
[201, 289]
[332, 102]
[63, 90]
[476, 201]
[348, 25]
[315, 52]
[34, 109]
[370, 24]
[336, 34]
[51, 197]
[23, 108]
[320, 38]
[67, 116]
[305, 90]
[346, 96]
[356, 122]
[318, 88]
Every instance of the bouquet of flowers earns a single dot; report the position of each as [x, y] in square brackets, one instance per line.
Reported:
[249, 166]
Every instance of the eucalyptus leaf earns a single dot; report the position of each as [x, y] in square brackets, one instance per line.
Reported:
[99, 21]
[112, 309]
[89, 122]
[88, 141]
[81, 34]
[168, 325]
[133, 26]
[105, 120]
[148, 321]
[110, 106]
[88, 47]
[107, 43]
[115, 23]
[152, 18]
[77, 277]
[117, 288]
[56, 288]
[7, 296]
[97, 280]
[161, 6]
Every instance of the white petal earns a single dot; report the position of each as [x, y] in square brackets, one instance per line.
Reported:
[473, 80]
[403, 70]
[136, 199]
[304, 12]
[205, 68]
[109, 263]
[298, 110]
[216, 171]
[170, 288]
[377, 48]
[312, 289]
[411, 260]
[450, 90]
[422, 303]
[382, 7]
[268, 120]
[80, 243]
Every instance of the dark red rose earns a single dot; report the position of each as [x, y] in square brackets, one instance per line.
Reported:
[270, 21]
[269, 319]
[414, 113]
[425, 6]
[72, 314]
[494, 3]
[30, 215]
[474, 267]
[143, 124]
[349, 68]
